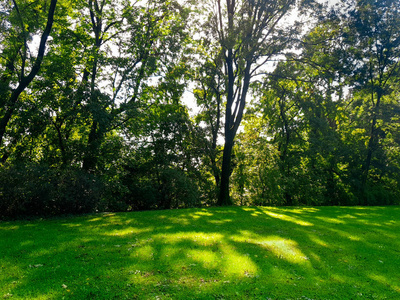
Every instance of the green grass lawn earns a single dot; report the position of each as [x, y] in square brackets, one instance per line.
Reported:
[213, 253]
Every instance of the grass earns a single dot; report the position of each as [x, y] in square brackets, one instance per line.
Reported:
[213, 253]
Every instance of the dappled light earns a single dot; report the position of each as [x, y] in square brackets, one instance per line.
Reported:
[207, 258]
[235, 263]
[200, 149]
[9, 227]
[285, 249]
[207, 253]
[317, 240]
[331, 220]
[128, 231]
[280, 247]
[200, 238]
[285, 217]
[384, 280]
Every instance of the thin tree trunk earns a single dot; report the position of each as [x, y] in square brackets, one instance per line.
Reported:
[224, 193]
[224, 197]
[90, 158]
[233, 119]
[372, 143]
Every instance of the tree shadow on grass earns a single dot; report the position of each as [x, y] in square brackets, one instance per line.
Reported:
[213, 253]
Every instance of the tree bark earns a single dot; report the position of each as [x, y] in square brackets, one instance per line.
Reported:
[372, 142]
[233, 119]
[90, 158]
[224, 196]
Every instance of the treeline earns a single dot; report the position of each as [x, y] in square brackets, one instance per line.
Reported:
[92, 114]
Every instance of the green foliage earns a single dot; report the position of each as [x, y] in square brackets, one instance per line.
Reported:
[169, 188]
[98, 123]
[162, 173]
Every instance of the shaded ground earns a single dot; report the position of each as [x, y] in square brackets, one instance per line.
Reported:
[213, 253]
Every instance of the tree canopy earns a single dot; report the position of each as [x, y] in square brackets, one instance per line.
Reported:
[293, 103]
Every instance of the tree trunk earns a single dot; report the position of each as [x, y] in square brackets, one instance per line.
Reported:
[233, 118]
[224, 196]
[372, 144]
[370, 149]
[90, 158]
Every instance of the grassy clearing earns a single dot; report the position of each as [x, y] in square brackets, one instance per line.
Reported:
[213, 253]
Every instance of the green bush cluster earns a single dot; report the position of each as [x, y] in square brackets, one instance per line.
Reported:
[36, 190]
[168, 188]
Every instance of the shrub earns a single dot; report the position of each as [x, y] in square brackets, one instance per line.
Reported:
[37, 190]
[168, 188]
[177, 190]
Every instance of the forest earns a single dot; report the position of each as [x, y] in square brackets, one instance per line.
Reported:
[159, 104]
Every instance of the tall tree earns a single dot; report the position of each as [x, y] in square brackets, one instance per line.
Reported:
[377, 34]
[210, 85]
[371, 29]
[250, 33]
[153, 38]
[18, 60]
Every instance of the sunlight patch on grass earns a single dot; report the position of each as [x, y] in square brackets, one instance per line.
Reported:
[285, 249]
[42, 252]
[369, 223]
[71, 225]
[222, 256]
[13, 271]
[347, 216]
[145, 252]
[331, 220]
[200, 238]
[180, 220]
[96, 219]
[288, 218]
[220, 222]
[27, 243]
[143, 278]
[354, 238]
[168, 252]
[347, 235]
[318, 241]
[236, 264]
[31, 225]
[300, 210]
[280, 247]
[10, 227]
[128, 231]
[383, 280]
[207, 258]
[337, 278]
[255, 212]
[199, 214]
[390, 222]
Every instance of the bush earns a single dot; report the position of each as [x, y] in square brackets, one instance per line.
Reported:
[75, 191]
[177, 190]
[37, 190]
[168, 188]
[24, 191]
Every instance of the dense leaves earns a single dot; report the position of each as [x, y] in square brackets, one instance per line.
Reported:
[297, 103]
